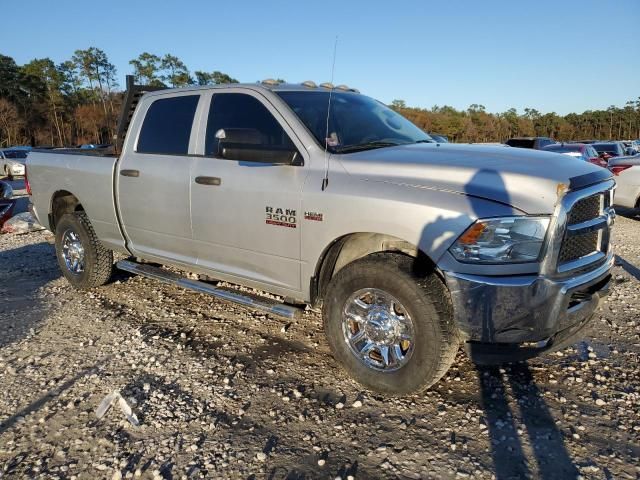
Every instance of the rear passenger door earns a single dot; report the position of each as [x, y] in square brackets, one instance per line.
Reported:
[246, 220]
[153, 178]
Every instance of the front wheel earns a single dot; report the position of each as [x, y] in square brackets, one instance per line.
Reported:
[392, 330]
[84, 261]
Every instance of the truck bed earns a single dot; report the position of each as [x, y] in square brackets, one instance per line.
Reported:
[89, 175]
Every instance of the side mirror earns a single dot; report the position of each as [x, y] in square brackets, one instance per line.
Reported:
[246, 145]
[630, 151]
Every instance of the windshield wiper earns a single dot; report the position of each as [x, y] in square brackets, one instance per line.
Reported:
[365, 146]
[424, 141]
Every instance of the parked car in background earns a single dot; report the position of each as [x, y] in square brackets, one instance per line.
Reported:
[536, 143]
[439, 138]
[587, 142]
[630, 147]
[12, 162]
[578, 150]
[608, 150]
[6, 203]
[627, 174]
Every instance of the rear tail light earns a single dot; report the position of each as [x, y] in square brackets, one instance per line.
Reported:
[617, 169]
[26, 181]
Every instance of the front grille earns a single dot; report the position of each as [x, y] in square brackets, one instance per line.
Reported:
[581, 241]
[585, 209]
[579, 246]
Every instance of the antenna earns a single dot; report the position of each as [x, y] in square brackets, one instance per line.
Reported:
[325, 179]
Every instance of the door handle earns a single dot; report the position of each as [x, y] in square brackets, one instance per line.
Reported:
[130, 173]
[215, 181]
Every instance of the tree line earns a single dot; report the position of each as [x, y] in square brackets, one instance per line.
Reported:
[477, 125]
[77, 101]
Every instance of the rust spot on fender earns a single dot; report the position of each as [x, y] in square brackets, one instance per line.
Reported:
[561, 189]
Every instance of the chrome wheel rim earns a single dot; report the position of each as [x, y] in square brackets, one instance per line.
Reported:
[378, 329]
[73, 252]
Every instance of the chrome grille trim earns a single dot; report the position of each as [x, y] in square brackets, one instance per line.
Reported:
[593, 225]
[593, 259]
[553, 265]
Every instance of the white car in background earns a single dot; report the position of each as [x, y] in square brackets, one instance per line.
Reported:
[627, 176]
[12, 162]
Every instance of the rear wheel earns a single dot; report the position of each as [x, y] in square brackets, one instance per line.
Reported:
[84, 261]
[391, 329]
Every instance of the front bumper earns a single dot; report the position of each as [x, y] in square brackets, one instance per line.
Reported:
[518, 317]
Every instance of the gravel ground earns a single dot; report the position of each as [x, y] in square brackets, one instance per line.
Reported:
[224, 392]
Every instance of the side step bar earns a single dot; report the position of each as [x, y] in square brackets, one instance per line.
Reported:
[265, 305]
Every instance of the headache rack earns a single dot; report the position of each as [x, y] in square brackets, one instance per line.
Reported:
[132, 97]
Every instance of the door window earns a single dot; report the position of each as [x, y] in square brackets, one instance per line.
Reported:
[167, 126]
[239, 111]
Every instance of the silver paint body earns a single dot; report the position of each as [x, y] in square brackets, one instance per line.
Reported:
[424, 194]
[627, 181]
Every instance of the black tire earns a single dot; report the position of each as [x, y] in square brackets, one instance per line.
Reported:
[424, 297]
[98, 260]
[8, 174]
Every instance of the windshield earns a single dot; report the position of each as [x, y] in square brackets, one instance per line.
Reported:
[606, 148]
[15, 154]
[357, 122]
[563, 148]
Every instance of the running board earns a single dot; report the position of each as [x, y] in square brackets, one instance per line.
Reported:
[156, 273]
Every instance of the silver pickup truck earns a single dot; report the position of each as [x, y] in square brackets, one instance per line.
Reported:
[324, 196]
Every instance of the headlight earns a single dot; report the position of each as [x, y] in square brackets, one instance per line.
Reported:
[502, 240]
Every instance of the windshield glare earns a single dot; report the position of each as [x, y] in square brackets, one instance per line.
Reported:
[355, 120]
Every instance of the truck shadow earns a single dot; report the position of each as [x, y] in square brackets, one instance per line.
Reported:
[533, 418]
[50, 396]
[24, 271]
[628, 267]
[546, 457]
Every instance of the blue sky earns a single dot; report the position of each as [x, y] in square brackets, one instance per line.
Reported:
[562, 55]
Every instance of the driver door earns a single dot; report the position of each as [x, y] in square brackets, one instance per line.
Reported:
[246, 214]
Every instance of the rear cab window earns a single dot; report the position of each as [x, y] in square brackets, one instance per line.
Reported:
[166, 128]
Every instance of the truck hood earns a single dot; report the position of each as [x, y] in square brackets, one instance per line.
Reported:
[531, 181]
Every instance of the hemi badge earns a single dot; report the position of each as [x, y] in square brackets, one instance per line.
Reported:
[315, 216]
